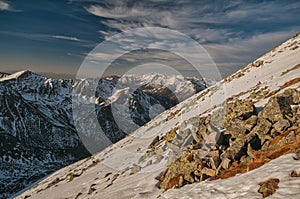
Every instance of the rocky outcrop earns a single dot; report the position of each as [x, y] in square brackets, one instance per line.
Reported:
[268, 187]
[242, 131]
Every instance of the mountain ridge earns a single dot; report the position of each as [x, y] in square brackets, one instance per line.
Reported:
[38, 135]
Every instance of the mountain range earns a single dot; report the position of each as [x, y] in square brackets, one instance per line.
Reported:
[37, 131]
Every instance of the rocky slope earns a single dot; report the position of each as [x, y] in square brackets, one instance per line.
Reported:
[250, 138]
[37, 132]
[247, 120]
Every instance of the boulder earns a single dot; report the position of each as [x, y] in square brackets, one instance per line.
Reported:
[242, 109]
[209, 172]
[262, 129]
[277, 108]
[268, 187]
[281, 125]
[250, 122]
[135, 169]
[225, 163]
[295, 173]
[236, 128]
[294, 93]
[183, 166]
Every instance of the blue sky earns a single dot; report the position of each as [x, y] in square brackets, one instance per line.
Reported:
[54, 36]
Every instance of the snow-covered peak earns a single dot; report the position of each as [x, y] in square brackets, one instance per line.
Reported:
[20, 74]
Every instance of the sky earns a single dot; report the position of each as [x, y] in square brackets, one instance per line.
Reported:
[53, 37]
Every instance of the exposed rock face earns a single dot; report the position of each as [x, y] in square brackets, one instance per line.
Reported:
[244, 132]
[279, 107]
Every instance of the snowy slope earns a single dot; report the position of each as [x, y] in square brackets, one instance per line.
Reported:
[123, 171]
[246, 185]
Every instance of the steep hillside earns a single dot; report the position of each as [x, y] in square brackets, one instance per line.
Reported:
[37, 131]
[259, 102]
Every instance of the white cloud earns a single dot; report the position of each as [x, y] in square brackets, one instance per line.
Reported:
[4, 6]
[66, 38]
[116, 12]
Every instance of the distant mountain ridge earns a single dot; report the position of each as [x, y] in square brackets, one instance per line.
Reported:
[37, 132]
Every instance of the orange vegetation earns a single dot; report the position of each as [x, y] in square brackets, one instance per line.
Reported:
[291, 82]
[286, 84]
[260, 158]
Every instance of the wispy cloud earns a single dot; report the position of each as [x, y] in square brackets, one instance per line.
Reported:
[67, 38]
[74, 41]
[5, 6]
[233, 32]
[116, 12]
[205, 21]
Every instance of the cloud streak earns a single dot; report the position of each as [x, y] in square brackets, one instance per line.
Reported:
[43, 37]
[67, 38]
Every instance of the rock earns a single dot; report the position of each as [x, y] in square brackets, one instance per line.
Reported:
[281, 125]
[135, 169]
[198, 138]
[213, 153]
[282, 140]
[296, 96]
[206, 120]
[158, 159]
[170, 135]
[236, 128]
[202, 131]
[217, 118]
[262, 129]
[290, 137]
[184, 167]
[294, 93]
[242, 109]
[243, 133]
[268, 187]
[209, 172]
[245, 159]
[91, 190]
[225, 163]
[257, 63]
[149, 163]
[236, 149]
[295, 173]
[214, 162]
[188, 140]
[173, 147]
[154, 142]
[277, 108]
[176, 181]
[250, 150]
[297, 152]
[250, 122]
